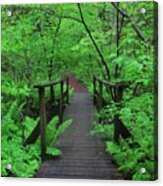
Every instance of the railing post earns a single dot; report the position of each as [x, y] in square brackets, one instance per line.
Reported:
[23, 133]
[117, 122]
[67, 86]
[101, 95]
[42, 121]
[51, 93]
[94, 90]
[61, 103]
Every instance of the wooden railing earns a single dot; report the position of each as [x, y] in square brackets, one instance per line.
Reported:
[42, 106]
[98, 96]
[116, 93]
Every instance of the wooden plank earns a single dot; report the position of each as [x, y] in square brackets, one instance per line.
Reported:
[83, 155]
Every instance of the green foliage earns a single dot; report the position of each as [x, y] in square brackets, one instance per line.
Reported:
[136, 152]
[105, 130]
[53, 132]
[63, 127]
[54, 151]
[14, 89]
[29, 124]
[39, 39]
[131, 160]
[24, 160]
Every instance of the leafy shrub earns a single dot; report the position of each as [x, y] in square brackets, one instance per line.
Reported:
[25, 160]
[137, 152]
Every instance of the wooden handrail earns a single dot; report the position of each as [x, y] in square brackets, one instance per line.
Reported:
[104, 82]
[118, 84]
[42, 112]
[44, 85]
[116, 91]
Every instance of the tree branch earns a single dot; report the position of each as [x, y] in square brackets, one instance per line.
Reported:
[121, 25]
[135, 27]
[52, 50]
[117, 40]
[50, 12]
[72, 18]
[122, 12]
[42, 37]
[93, 41]
[56, 33]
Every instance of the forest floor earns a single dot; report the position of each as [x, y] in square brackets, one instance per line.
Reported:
[83, 155]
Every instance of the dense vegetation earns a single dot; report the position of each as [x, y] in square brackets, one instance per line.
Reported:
[44, 42]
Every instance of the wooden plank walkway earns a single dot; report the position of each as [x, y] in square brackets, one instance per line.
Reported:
[83, 155]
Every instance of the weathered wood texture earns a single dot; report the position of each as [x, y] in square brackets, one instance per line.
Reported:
[83, 155]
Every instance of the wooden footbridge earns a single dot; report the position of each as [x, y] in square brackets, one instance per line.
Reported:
[83, 155]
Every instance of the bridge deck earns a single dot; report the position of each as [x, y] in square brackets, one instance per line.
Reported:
[83, 155]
